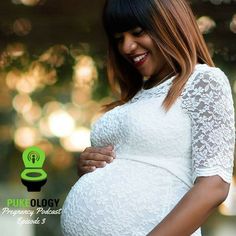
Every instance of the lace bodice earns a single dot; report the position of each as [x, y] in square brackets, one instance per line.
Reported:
[199, 128]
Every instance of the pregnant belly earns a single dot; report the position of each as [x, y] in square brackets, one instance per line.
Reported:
[123, 198]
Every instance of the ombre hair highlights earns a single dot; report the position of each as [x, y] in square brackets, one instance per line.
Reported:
[173, 28]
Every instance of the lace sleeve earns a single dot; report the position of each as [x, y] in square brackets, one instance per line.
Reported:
[208, 101]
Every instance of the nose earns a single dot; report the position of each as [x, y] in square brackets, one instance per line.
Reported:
[129, 45]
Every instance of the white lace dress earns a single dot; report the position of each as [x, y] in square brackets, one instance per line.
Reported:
[159, 156]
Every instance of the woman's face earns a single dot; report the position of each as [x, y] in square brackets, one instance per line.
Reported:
[138, 48]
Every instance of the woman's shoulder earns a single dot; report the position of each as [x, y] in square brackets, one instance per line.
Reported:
[205, 75]
[205, 86]
[206, 69]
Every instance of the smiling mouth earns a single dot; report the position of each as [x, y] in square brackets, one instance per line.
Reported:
[139, 60]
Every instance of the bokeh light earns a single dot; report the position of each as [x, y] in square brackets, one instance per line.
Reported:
[26, 84]
[85, 71]
[15, 50]
[33, 75]
[51, 107]
[77, 141]
[40, 75]
[44, 127]
[36, 77]
[233, 24]
[22, 103]
[26, 136]
[12, 78]
[22, 26]
[33, 114]
[55, 55]
[61, 123]
[30, 2]
[206, 24]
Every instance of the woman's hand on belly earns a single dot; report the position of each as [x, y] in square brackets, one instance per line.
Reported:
[94, 157]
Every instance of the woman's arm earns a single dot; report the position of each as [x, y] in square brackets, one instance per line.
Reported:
[194, 208]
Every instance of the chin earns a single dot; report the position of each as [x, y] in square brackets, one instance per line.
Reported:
[146, 74]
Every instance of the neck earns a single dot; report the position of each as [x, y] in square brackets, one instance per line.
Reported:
[162, 76]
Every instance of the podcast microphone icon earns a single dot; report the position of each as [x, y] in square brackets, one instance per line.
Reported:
[33, 177]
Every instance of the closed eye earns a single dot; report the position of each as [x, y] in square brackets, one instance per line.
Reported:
[137, 31]
[118, 38]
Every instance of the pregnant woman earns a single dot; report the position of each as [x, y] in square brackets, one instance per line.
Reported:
[172, 130]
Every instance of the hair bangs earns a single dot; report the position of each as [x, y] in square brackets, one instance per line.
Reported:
[120, 16]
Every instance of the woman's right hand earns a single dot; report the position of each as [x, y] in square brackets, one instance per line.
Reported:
[94, 157]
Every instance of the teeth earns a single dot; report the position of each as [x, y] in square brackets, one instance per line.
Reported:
[139, 58]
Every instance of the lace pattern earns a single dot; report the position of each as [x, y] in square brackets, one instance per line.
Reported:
[208, 101]
[154, 92]
[157, 155]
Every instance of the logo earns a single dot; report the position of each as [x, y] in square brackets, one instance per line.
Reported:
[33, 176]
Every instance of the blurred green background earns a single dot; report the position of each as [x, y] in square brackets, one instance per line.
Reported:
[53, 83]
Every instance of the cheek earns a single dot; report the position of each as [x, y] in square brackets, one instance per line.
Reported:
[120, 51]
[158, 56]
[156, 53]
[149, 42]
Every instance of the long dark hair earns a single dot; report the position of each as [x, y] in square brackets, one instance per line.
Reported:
[173, 28]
